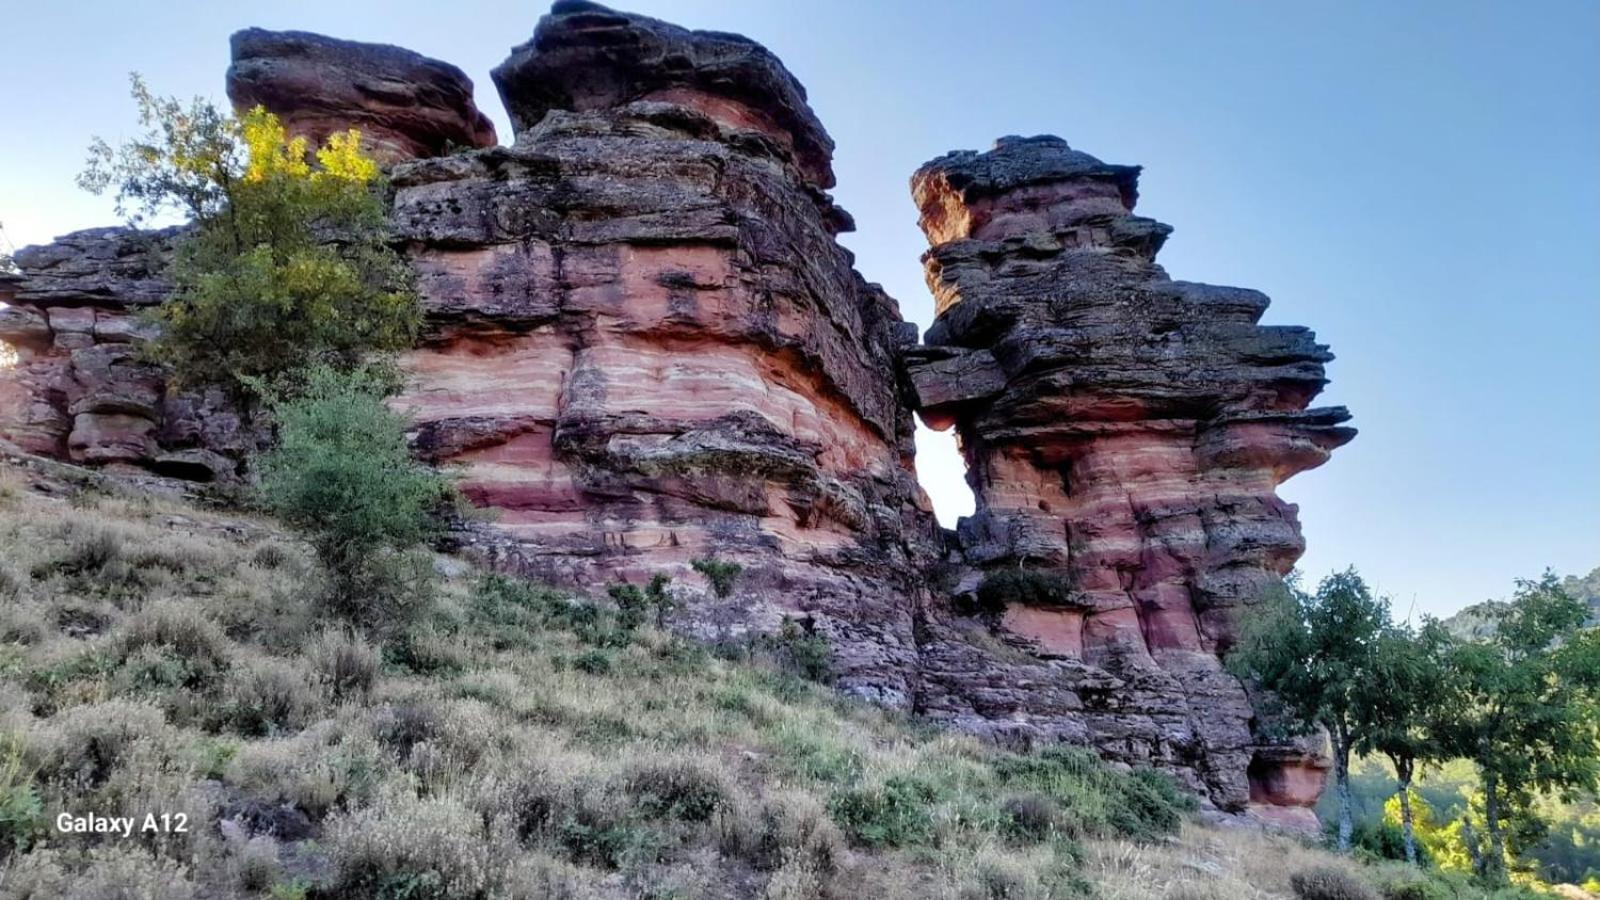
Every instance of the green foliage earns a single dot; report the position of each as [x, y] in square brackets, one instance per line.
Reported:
[1524, 706]
[1329, 884]
[1315, 655]
[630, 605]
[677, 789]
[1025, 587]
[341, 475]
[721, 574]
[21, 809]
[803, 652]
[660, 598]
[1094, 801]
[896, 813]
[287, 262]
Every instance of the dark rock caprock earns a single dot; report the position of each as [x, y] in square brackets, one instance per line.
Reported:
[597, 58]
[405, 105]
[1123, 432]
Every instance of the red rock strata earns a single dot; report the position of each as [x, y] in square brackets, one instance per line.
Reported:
[80, 389]
[1124, 433]
[645, 347]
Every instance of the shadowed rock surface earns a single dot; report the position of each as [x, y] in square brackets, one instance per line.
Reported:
[405, 104]
[1125, 434]
[81, 389]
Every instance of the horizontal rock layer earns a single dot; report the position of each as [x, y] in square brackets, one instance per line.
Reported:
[1125, 434]
[645, 347]
[81, 388]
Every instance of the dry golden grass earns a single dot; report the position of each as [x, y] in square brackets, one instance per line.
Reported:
[156, 656]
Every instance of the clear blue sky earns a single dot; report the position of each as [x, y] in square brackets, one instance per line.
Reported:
[1419, 182]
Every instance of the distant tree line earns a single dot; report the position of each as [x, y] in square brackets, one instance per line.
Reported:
[1520, 702]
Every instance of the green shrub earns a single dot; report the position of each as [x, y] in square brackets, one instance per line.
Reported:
[1093, 799]
[678, 789]
[259, 289]
[21, 810]
[342, 475]
[403, 848]
[1026, 587]
[265, 696]
[343, 663]
[170, 645]
[803, 652]
[660, 598]
[630, 606]
[1030, 817]
[592, 662]
[720, 573]
[1326, 883]
[896, 813]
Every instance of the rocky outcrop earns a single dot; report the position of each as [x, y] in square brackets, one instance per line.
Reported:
[599, 59]
[405, 105]
[646, 347]
[1124, 435]
[81, 388]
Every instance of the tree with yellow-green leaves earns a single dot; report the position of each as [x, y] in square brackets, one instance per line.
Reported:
[286, 264]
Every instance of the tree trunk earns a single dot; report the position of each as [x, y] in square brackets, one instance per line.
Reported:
[1341, 776]
[1494, 862]
[1407, 828]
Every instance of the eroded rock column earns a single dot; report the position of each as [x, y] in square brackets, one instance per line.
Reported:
[1125, 434]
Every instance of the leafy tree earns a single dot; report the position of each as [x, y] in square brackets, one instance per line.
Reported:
[721, 574]
[287, 263]
[1314, 654]
[631, 605]
[660, 598]
[1394, 708]
[342, 475]
[1522, 705]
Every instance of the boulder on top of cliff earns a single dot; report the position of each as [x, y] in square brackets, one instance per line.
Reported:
[585, 57]
[406, 105]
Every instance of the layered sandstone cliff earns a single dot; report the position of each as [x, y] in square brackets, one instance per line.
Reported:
[81, 389]
[645, 347]
[1124, 434]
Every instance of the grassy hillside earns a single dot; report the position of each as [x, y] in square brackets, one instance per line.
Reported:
[1478, 620]
[161, 658]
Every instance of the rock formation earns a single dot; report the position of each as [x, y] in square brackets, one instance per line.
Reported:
[645, 347]
[1124, 434]
[406, 105]
[81, 389]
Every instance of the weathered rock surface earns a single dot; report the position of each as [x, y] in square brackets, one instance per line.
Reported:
[598, 59]
[647, 348]
[81, 389]
[406, 105]
[1124, 432]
